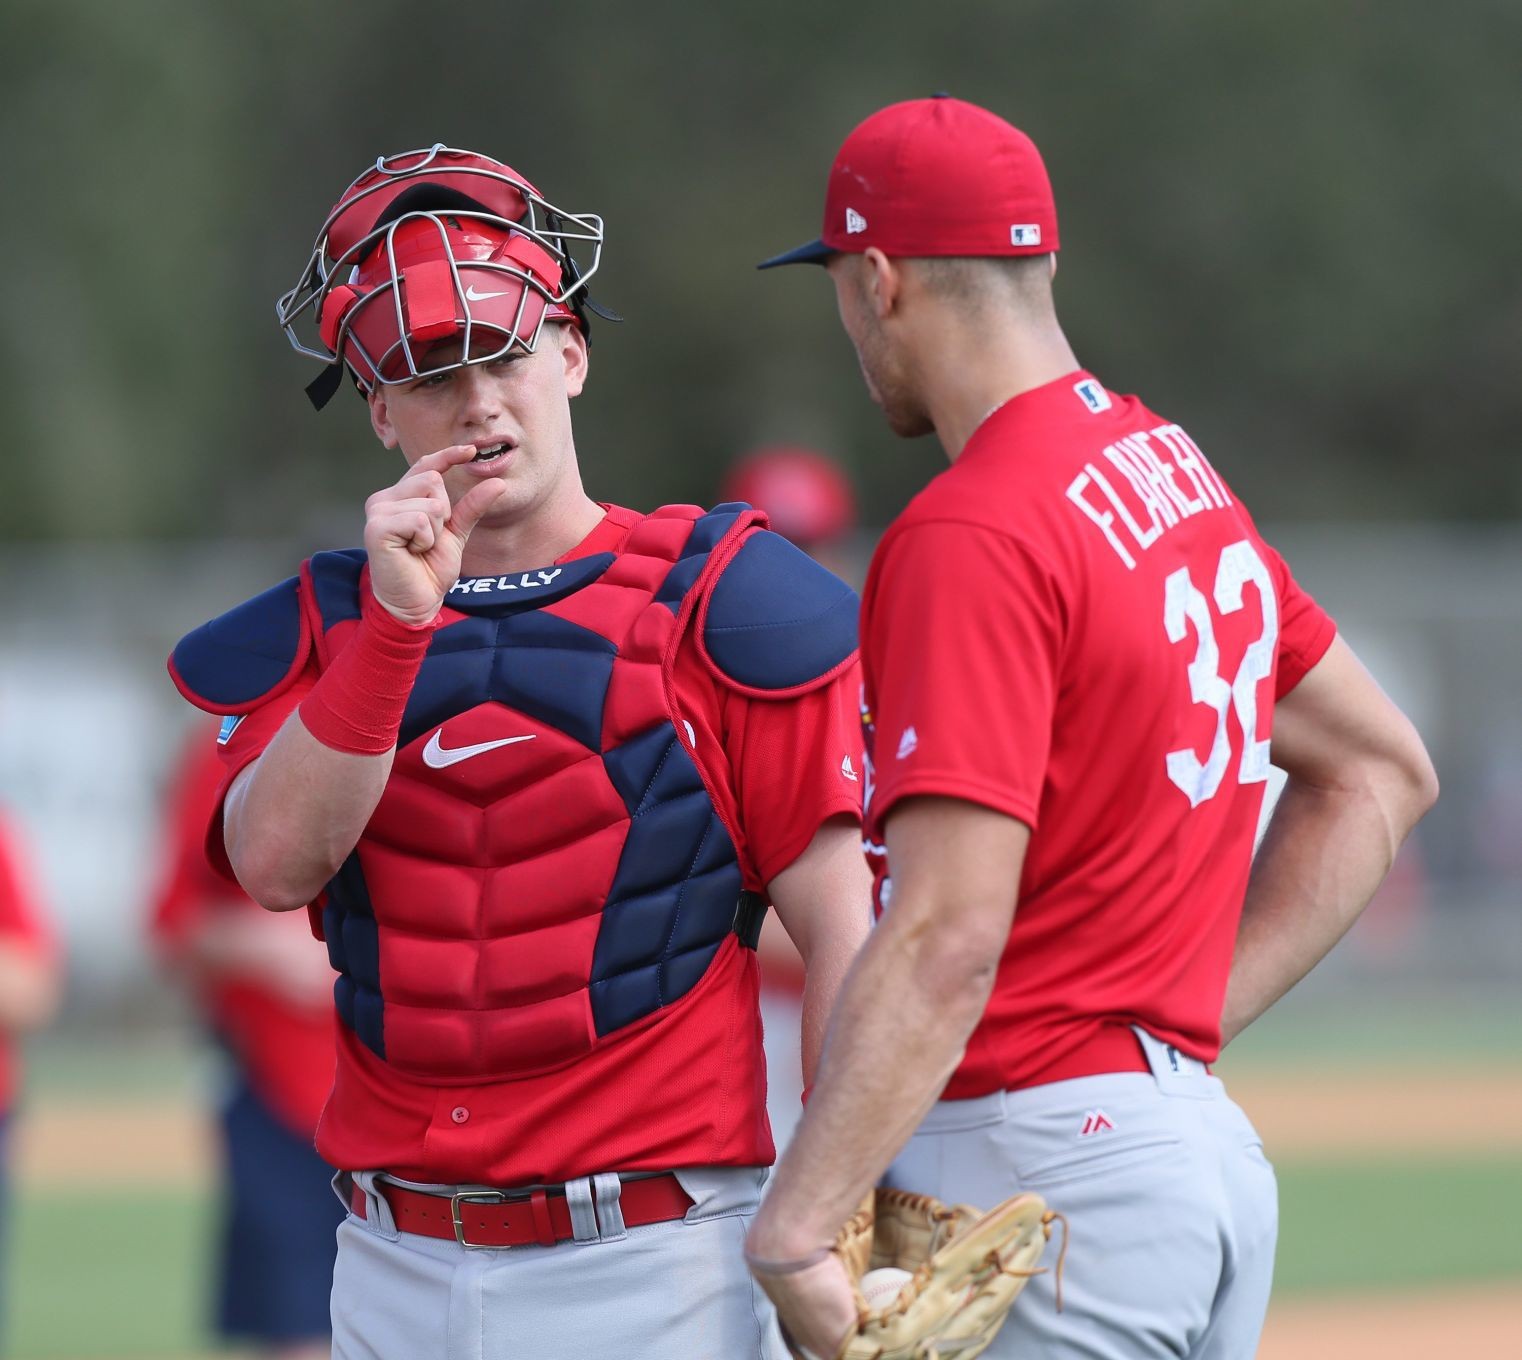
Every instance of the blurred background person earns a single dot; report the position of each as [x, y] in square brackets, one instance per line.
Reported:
[810, 500]
[808, 497]
[262, 985]
[29, 988]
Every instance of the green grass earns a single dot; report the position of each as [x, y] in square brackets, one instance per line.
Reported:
[1391, 1032]
[1393, 1224]
[174, 1066]
[104, 1273]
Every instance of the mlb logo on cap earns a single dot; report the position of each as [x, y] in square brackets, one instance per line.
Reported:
[934, 177]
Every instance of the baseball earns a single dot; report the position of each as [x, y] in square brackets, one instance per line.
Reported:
[880, 1287]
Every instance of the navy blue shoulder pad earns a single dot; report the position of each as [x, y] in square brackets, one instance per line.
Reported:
[241, 658]
[776, 621]
[335, 583]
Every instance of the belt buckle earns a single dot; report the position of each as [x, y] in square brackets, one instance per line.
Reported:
[471, 1197]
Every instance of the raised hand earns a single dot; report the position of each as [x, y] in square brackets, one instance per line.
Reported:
[414, 538]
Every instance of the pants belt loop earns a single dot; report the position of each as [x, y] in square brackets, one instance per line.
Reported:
[544, 1229]
[607, 1190]
[1176, 1074]
[378, 1217]
[578, 1198]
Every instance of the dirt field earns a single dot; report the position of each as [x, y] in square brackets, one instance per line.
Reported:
[1480, 1322]
[1326, 1115]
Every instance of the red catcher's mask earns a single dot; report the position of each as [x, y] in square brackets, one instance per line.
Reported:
[429, 246]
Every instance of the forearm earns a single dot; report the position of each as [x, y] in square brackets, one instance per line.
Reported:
[293, 818]
[824, 902]
[900, 1025]
[821, 991]
[28, 987]
[833, 947]
[1326, 851]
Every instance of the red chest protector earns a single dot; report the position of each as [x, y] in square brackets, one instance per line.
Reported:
[548, 863]
[554, 860]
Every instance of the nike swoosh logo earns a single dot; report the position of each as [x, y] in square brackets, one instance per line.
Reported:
[472, 296]
[437, 757]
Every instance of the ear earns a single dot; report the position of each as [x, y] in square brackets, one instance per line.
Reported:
[1053, 258]
[380, 417]
[883, 282]
[576, 356]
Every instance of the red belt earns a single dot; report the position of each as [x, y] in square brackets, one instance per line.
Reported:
[1113, 1048]
[488, 1218]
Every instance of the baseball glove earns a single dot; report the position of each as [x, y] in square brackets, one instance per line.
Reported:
[967, 1269]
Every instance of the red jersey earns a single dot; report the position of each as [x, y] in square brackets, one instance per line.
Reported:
[284, 1048]
[1078, 625]
[21, 927]
[791, 763]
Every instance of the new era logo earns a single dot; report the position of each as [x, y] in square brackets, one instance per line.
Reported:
[855, 222]
[1095, 1121]
[1025, 234]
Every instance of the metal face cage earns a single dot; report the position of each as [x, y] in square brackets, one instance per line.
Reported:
[470, 189]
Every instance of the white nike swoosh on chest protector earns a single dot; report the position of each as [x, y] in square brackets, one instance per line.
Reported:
[437, 757]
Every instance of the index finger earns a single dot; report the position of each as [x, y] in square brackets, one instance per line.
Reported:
[440, 459]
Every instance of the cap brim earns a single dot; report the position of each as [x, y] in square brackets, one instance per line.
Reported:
[815, 252]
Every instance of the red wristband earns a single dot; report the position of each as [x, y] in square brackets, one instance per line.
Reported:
[356, 705]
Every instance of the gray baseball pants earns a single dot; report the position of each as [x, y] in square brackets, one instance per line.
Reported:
[1171, 1205]
[666, 1291]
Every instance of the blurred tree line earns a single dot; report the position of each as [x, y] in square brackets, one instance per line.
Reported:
[1293, 226]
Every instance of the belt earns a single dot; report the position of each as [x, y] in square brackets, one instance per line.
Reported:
[1111, 1049]
[490, 1218]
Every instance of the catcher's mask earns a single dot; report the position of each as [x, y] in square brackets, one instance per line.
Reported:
[435, 245]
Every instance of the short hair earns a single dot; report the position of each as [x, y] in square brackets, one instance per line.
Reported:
[978, 281]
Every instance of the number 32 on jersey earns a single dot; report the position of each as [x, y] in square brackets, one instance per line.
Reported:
[1184, 607]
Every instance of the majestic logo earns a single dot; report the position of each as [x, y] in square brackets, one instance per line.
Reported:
[1026, 234]
[908, 743]
[472, 296]
[1095, 1121]
[855, 222]
[1092, 395]
[437, 757]
[847, 769]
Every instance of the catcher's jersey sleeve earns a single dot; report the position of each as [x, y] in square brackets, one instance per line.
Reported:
[242, 742]
[795, 764]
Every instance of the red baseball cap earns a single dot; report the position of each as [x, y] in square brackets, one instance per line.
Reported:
[935, 176]
[806, 496]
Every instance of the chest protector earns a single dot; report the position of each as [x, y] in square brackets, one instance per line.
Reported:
[554, 859]
[547, 865]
